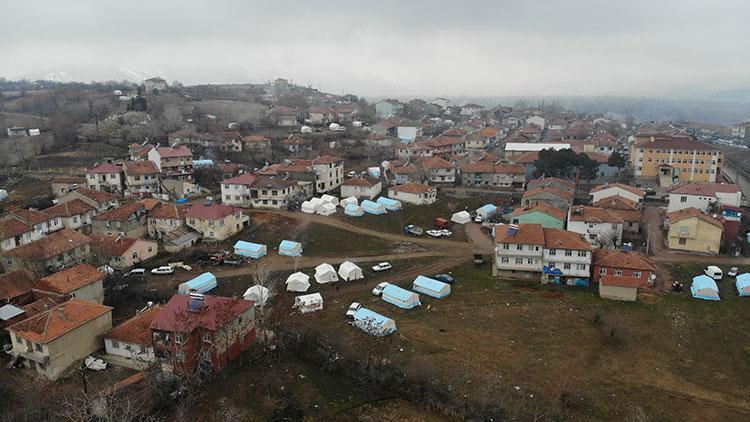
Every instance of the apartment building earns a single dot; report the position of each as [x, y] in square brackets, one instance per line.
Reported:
[676, 159]
[141, 178]
[105, 177]
[216, 222]
[704, 196]
[173, 162]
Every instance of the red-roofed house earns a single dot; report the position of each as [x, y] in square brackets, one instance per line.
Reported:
[413, 193]
[129, 219]
[173, 162]
[141, 177]
[205, 332]
[704, 196]
[602, 227]
[361, 187]
[438, 170]
[49, 254]
[82, 282]
[489, 174]
[216, 222]
[165, 218]
[102, 201]
[15, 288]
[551, 196]
[121, 252]
[690, 230]
[40, 221]
[105, 177]
[255, 143]
[132, 338]
[75, 214]
[620, 274]
[611, 189]
[54, 340]
[14, 233]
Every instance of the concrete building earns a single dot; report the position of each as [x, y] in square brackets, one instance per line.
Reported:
[131, 340]
[617, 189]
[41, 223]
[259, 191]
[704, 196]
[15, 233]
[676, 159]
[173, 162]
[141, 178]
[49, 254]
[489, 174]
[102, 201]
[519, 251]
[621, 273]
[600, 226]
[81, 282]
[54, 340]
[74, 215]
[438, 170]
[165, 218]
[551, 196]
[105, 177]
[388, 108]
[154, 85]
[567, 258]
[361, 187]
[693, 231]
[216, 222]
[121, 252]
[413, 193]
[129, 220]
[541, 213]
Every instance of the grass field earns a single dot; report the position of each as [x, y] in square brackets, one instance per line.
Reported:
[567, 351]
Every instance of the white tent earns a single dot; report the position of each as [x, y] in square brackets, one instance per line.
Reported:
[309, 303]
[461, 217]
[330, 199]
[257, 294]
[348, 271]
[298, 282]
[327, 209]
[308, 207]
[325, 273]
[350, 200]
[317, 202]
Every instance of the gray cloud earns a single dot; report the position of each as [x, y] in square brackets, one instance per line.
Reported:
[389, 47]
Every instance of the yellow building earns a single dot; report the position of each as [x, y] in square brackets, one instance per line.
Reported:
[692, 231]
[676, 159]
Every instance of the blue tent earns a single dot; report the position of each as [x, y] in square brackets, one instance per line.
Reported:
[354, 210]
[251, 250]
[371, 207]
[390, 204]
[203, 163]
[373, 323]
[704, 287]
[400, 297]
[290, 248]
[487, 211]
[431, 287]
[200, 284]
[743, 284]
[181, 201]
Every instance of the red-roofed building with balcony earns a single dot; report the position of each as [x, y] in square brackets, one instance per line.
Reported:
[173, 162]
[105, 177]
[216, 222]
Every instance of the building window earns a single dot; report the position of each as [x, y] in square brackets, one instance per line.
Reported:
[637, 274]
[180, 357]
[206, 337]
[504, 260]
[178, 338]
[618, 272]
[580, 266]
[519, 247]
[683, 241]
[519, 261]
[115, 344]
[38, 347]
[552, 252]
[582, 254]
[568, 253]
[529, 261]
[566, 266]
[602, 271]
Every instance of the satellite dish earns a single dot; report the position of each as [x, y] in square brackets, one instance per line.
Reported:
[386, 165]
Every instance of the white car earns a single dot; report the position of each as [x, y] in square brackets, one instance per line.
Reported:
[140, 272]
[383, 266]
[478, 219]
[163, 270]
[353, 308]
[378, 290]
[435, 233]
[714, 272]
[733, 272]
[446, 233]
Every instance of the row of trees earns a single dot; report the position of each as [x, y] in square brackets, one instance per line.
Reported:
[566, 163]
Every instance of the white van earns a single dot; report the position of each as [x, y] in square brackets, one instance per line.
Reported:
[140, 272]
[714, 272]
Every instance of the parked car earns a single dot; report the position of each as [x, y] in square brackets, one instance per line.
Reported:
[733, 272]
[140, 272]
[649, 191]
[478, 260]
[353, 308]
[383, 266]
[378, 290]
[351, 174]
[434, 233]
[714, 272]
[478, 219]
[413, 230]
[445, 278]
[446, 233]
[441, 223]
[163, 270]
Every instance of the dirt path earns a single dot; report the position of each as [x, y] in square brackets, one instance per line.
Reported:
[482, 241]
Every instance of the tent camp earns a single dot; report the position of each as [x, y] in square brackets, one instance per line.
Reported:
[400, 297]
[461, 217]
[290, 248]
[309, 303]
[298, 282]
[327, 209]
[373, 323]
[330, 199]
[431, 287]
[308, 207]
[250, 250]
[487, 211]
[325, 273]
[390, 204]
[743, 284]
[371, 207]
[354, 210]
[704, 287]
[257, 294]
[348, 271]
[200, 284]
[350, 200]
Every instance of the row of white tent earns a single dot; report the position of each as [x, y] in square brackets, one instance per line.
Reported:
[324, 273]
[326, 204]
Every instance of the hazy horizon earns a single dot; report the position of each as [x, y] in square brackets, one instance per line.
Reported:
[480, 48]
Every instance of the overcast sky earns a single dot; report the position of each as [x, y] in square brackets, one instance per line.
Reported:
[387, 47]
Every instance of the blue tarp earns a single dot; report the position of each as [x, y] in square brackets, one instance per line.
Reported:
[290, 248]
[390, 204]
[400, 297]
[704, 287]
[487, 211]
[431, 287]
[551, 270]
[373, 323]
[251, 250]
[200, 284]
[181, 201]
[353, 210]
[203, 163]
[743, 284]
[373, 207]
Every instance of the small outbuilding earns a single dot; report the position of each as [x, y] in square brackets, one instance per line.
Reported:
[618, 287]
[372, 207]
[290, 248]
[461, 217]
[298, 282]
[354, 210]
[258, 294]
[349, 271]
[704, 287]
[400, 297]
[201, 284]
[350, 200]
[327, 209]
[325, 273]
[742, 283]
[390, 204]
[373, 323]
[250, 250]
[487, 211]
[309, 303]
[431, 287]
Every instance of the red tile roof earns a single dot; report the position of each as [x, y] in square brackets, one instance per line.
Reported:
[594, 215]
[95, 195]
[31, 217]
[138, 168]
[680, 144]
[563, 239]
[271, 182]
[255, 139]
[67, 281]
[122, 213]
[136, 330]
[168, 212]
[527, 158]
[686, 213]
[105, 168]
[217, 312]
[528, 234]
[58, 321]
[705, 189]
[628, 188]
[543, 208]
[550, 181]
[210, 212]
[172, 152]
[616, 202]
[366, 182]
[49, 246]
[109, 246]
[404, 169]
[415, 188]
[69, 209]
[11, 227]
[242, 179]
[14, 284]
[435, 163]
[620, 259]
[549, 189]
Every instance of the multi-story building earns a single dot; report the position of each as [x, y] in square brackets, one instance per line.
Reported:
[676, 159]
[75, 214]
[387, 108]
[128, 220]
[49, 254]
[102, 201]
[489, 174]
[326, 172]
[361, 187]
[693, 231]
[81, 282]
[601, 227]
[414, 193]
[105, 177]
[271, 192]
[120, 252]
[620, 273]
[235, 191]
[141, 178]
[132, 339]
[165, 218]
[216, 222]
[704, 196]
[41, 222]
[173, 162]
[202, 331]
[438, 170]
[14, 233]
[567, 258]
[741, 130]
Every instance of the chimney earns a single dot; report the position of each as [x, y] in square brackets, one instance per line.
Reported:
[61, 312]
